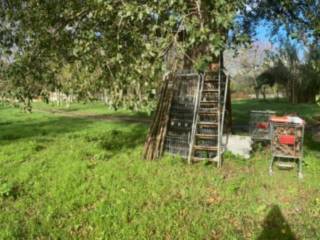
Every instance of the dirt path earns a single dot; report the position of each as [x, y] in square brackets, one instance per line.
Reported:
[94, 116]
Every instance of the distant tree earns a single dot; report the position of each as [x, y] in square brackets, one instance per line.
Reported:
[246, 64]
[276, 74]
[300, 20]
[252, 63]
[300, 80]
[310, 76]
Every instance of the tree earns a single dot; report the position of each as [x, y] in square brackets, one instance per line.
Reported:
[300, 79]
[288, 57]
[310, 76]
[252, 64]
[276, 74]
[126, 40]
[300, 18]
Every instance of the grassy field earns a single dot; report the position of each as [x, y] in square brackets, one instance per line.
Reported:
[242, 108]
[70, 177]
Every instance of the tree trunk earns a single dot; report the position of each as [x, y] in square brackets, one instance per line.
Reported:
[257, 91]
[306, 97]
[263, 90]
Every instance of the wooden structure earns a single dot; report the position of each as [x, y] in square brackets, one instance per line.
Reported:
[190, 117]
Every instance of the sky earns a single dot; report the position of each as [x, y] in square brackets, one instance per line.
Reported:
[263, 40]
[264, 34]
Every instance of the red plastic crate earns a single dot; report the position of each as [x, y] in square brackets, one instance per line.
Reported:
[262, 125]
[287, 139]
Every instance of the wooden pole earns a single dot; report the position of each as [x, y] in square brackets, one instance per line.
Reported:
[154, 144]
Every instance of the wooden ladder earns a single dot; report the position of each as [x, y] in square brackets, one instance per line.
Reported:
[207, 128]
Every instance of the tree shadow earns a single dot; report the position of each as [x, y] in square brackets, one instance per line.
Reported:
[121, 118]
[16, 130]
[117, 140]
[276, 227]
[310, 143]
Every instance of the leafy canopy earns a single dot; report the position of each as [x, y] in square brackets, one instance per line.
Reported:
[123, 43]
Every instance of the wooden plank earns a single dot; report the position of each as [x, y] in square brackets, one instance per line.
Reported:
[198, 159]
[206, 136]
[210, 91]
[285, 165]
[209, 102]
[207, 124]
[211, 80]
[208, 113]
[204, 148]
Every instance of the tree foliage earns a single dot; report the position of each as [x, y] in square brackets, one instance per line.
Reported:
[125, 41]
[301, 80]
[119, 47]
[300, 18]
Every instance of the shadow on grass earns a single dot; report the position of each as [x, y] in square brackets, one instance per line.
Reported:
[121, 117]
[276, 227]
[117, 140]
[310, 143]
[12, 131]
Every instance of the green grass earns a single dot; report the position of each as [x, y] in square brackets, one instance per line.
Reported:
[97, 108]
[76, 178]
[242, 108]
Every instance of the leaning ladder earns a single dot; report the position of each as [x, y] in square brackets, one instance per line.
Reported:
[222, 146]
[221, 108]
[198, 96]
